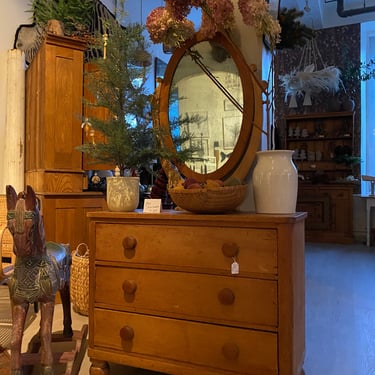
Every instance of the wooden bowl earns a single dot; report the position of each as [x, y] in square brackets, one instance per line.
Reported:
[212, 200]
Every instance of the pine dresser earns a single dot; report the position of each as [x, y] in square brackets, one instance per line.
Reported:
[188, 294]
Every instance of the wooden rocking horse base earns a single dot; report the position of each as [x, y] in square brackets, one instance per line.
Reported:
[66, 351]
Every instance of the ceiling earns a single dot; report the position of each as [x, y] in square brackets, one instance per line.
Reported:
[324, 13]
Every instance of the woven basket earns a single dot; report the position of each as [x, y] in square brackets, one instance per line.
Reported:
[213, 200]
[7, 242]
[79, 280]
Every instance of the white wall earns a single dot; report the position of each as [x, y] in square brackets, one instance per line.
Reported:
[13, 13]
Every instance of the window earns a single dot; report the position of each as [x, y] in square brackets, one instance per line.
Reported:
[367, 106]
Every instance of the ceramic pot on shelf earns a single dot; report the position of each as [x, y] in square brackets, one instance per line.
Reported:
[55, 27]
[122, 193]
[275, 182]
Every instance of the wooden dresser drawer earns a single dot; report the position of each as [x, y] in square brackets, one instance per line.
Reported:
[338, 193]
[239, 351]
[219, 299]
[189, 247]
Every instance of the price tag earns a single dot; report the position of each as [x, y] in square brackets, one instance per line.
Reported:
[235, 267]
[152, 206]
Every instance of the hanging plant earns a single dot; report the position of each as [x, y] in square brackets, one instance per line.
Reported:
[311, 81]
[293, 32]
[311, 77]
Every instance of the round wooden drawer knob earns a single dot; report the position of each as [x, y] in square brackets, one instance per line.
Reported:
[231, 350]
[129, 243]
[127, 333]
[129, 286]
[230, 249]
[226, 296]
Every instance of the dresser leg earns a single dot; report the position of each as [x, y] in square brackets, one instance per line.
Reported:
[99, 368]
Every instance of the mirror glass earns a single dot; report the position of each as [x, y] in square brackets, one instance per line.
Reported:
[207, 95]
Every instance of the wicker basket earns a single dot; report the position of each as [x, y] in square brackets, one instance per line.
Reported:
[7, 243]
[213, 200]
[79, 280]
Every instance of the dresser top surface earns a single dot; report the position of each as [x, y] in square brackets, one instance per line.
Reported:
[184, 215]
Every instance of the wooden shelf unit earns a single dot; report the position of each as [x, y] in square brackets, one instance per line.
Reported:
[323, 191]
[54, 108]
[54, 87]
[329, 210]
[325, 134]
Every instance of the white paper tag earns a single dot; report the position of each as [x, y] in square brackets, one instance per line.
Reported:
[152, 206]
[235, 268]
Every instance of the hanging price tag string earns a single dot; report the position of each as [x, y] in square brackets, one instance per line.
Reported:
[235, 267]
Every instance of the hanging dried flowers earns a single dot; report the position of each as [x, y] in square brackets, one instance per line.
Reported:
[169, 25]
[256, 13]
[165, 28]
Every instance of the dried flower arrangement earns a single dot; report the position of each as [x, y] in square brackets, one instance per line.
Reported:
[169, 25]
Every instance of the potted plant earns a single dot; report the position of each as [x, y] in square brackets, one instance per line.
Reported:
[130, 141]
[353, 72]
[73, 16]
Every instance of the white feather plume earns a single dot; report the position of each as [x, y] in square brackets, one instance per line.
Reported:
[311, 80]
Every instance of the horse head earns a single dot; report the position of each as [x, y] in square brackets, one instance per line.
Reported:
[25, 222]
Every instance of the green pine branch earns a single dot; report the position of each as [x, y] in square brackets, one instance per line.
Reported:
[118, 85]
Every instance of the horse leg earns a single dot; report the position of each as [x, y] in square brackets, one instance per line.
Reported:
[19, 312]
[46, 356]
[65, 300]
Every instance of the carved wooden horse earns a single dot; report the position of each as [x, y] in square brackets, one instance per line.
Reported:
[40, 270]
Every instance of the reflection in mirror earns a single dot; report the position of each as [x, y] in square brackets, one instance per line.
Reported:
[207, 97]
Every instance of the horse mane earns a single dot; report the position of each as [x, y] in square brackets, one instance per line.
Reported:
[20, 215]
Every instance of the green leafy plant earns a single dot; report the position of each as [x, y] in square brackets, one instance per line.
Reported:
[76, 15]
[355, 71]
[343, 155]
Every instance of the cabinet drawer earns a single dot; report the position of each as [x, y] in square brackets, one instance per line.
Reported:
[188, 246]
[224, 299]
[337, 193]
[240, 351]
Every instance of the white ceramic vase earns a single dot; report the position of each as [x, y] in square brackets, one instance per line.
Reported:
[122, 193]
[275, 182]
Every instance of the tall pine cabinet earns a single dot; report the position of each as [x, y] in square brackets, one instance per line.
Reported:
[54, 107]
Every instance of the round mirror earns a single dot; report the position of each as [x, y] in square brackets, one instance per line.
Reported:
[207, 97]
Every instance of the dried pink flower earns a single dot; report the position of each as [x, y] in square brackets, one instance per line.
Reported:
[216, 15]
[197, 3]
[170, 26]
[164, 28]
[255, 13]
[179, 8]
[221, 12]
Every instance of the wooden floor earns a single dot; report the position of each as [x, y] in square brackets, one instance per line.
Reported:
[340, 312]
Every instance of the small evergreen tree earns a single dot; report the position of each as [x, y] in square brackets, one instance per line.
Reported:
[118, 84]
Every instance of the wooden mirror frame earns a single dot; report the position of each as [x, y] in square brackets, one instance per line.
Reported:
[243, 154]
